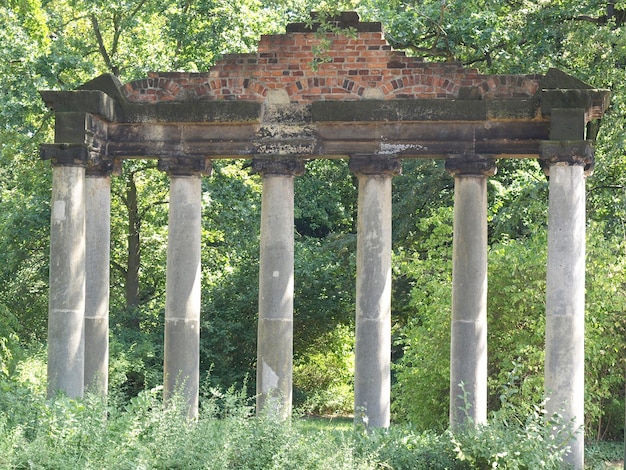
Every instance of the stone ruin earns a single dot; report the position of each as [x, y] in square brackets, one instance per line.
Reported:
[282, 106]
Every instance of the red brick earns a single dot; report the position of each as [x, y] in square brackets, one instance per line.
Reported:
[286, 61]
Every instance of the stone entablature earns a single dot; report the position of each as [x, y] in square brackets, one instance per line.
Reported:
[363, 98]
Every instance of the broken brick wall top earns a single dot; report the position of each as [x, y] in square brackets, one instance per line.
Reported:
[290, 68]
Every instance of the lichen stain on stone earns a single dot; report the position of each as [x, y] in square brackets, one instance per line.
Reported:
[270, 378]
[395, 149]
[275, 148]
[58, 211]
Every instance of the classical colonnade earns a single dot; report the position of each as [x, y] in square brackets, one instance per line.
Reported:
[79, 284]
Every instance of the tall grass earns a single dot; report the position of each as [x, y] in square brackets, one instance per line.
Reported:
[143, 433]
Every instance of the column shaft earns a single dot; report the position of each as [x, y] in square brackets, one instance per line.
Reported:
[66, 307]
[276, 284]
[468, 341]
[372, 375]
[98, 241]
[372, 380]
[565, 302]
[182, 308]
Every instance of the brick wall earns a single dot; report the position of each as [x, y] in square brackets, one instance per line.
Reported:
[350, 68]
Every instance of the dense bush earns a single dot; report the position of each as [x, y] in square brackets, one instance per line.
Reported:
[323, 375]
[516, 329]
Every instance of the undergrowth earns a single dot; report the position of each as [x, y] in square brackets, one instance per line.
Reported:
[143, 433]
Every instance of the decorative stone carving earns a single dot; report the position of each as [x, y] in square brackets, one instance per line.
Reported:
[375, 165]
[567, 153]
[471, 165]
[277, 166]
[181, 166]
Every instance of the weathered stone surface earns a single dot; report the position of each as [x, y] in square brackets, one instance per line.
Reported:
[181, 367]
[202, 111]
[97, 262]
[375, 165]
[72, 127]
[595, 101]
[178, 166]
[567, 153]
[65, 154]
[556, 79]
[565, 302]
[568, 124]
[468, 346]
[399, 110]
[372, 380]
[471, 165]
[276, 287]
[514, 108]
[66, 305]
[277, 166]
[101, 167]
[86, 101]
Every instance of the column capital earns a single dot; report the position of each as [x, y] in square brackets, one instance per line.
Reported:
[375, 165]
[65, 154]
[185, 166]
[471, 165]
[567, 153]
[277, 166]
[99, 167]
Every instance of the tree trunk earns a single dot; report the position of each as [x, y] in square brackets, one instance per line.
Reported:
[134, 248]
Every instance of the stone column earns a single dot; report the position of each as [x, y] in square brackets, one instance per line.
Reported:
[468, 342]
[66, 306]
[564, 384]
[276, 272]
[97, 268]
[181, 368]
[372, 379]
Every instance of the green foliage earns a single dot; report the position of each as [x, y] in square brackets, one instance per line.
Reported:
[323, 375]
[221, 27]
[135, 362]
[422, 373]
[10, 349]
[599, 454]
[405, 448]
[513, 442]
[516, 317]
[605, 335]
[514, 437]
[231, 219]
[24, 185]
[143, 432]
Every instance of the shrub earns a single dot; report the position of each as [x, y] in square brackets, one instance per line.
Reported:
[598, 453]
[323, 376]
[513, 438]
[143, 432]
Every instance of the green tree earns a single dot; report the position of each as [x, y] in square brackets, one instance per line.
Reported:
[586, 40]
